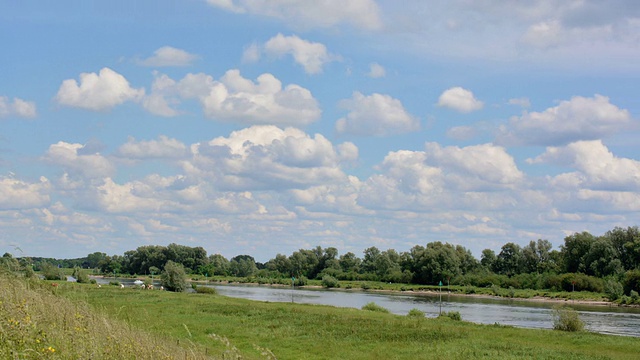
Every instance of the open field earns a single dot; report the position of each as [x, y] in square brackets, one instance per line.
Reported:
[255, 330]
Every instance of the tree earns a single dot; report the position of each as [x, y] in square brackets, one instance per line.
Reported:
[349, 262]
[242, 266]
[369, 260]
[52, 272]
[174, 278]
[434, 263]
[509, 261]
[574, 250]
[488, 259]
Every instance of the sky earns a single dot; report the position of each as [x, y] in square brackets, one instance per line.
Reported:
[263, 127]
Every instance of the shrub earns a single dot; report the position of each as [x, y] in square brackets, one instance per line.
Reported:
[51, 272]
[567, 319]
[613, 289]
[415, 313]
[80, 275]
[365, 286]
[632, 281]
[174, 277]
[301, 281]
[205, 290]
[453, 315]
[114, 283]
[634, 296]
[329, 281]
[374, 307]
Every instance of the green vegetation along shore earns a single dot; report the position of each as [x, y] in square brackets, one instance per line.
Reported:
[246, 329]
[60, 320]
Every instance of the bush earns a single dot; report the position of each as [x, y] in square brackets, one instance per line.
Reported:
[453, 315]
[329, 281]
[174, 277]
[301, 281]
[634, 296]
[415, 313]
[51, 272]
[114, 283]
[365, 286]
[613, 289]
[567, 319]
[632, 281]
[206, 290]
[374, 307]
[80, 275]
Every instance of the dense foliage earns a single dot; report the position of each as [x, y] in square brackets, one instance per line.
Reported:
[585, 262]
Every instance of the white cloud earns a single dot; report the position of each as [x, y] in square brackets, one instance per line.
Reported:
[269, 157]
[363, 14]
[459, 99]
[597, 167]
[74, 161]
[376, 71]
[162, 97]
[97, 92]
[484, 163]
[251, 53]
[462, 132]
[17, 194]
[163, 148]
[264, 102]
[522, 102]
[236, 99]
[311, 55]
[19, 108]
[169, 56]
[375, 115]
[577, 119]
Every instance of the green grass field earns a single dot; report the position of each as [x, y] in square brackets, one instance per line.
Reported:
[237, 328]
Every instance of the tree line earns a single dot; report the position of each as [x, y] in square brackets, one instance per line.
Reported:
[583, 262]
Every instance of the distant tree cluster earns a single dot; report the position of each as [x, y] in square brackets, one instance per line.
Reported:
[610, 262]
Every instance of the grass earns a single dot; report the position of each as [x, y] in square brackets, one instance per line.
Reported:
[302, 331]
[37, 323]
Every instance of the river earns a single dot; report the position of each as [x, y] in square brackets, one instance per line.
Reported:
[526, 314]
[611, 320]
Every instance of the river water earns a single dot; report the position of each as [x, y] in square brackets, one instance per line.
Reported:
[527, 314]
[519, 313]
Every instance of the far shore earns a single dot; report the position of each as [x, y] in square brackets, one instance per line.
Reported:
[430, 293]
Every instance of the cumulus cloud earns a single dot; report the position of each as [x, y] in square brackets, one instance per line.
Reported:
[16, 194]
[311, 55]
[376, 71]
[236, 99]
[74, 161]
[459, 99]
[17, 107]
[163, 148]
[169, 56]
[446, 178]
[597, 167]
[375, 115]
[487, 163]
[97, 92]
[577, 119]
[269, 157]
[363, 14]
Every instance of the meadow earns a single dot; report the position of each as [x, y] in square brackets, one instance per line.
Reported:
[71, 321]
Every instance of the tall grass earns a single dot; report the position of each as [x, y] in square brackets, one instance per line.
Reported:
[36, 323]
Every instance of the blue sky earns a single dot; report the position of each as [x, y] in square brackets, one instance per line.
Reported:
[262, 127]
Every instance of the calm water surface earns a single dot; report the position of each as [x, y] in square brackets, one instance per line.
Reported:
[526, 314]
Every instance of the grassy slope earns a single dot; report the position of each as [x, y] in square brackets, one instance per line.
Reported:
[35, 323]
[298, 331]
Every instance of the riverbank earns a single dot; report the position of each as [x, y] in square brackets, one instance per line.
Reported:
[250, 329]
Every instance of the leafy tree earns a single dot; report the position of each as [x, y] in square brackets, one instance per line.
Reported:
[509, 261]
[51, 272]
[349, 262]
[80, 275]
[434, 263]
[574, 251]
[488, 259]
[242, 266]
[174, 278]
[627, 244]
